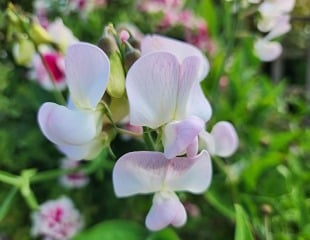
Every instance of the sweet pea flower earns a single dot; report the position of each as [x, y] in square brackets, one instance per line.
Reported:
[221, 141]
[151, 172]
[165, 92]
[56, 220]
[268, 50]
[76, 128]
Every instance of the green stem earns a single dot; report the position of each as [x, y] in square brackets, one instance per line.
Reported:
[9, 178]
[148, 139]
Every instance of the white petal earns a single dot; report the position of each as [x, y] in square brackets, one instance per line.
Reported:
[189, 174]
[267, 51]
[166, 209]
[178, 135]
[87, 71]
[206, 141]
[281, 26]
[154, 43]
[198, 105]
[85, 151]
[139, 172]
[152, 85]
[225, 139]
[189, 77]
[63, 126]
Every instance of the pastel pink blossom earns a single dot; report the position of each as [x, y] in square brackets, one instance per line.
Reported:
[76, 128]
[56, 220]
[54, 61]
[162, 89]
[75, 179]
[151, 172]
[221, 141]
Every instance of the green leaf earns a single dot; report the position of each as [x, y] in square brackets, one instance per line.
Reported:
[243, 230]
[114, 230]
[6, 204]
[166, 234]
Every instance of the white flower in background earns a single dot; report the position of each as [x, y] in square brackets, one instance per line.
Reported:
[265, 48]
[76, 179]
[151, 172]
[77, 129]
[56, 220]
[61, 34]
[221, 141]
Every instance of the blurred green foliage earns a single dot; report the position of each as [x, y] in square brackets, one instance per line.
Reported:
[262, 191]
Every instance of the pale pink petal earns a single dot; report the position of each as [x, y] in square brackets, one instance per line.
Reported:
[87, 151]
[225, 139]
[64, 126]
[154, 43]
[282, 25]
[178, 135]
[189, 77]
[152, 87]
[192, 149]
[267, 51]
[87, 71]
[139, 172]
[189, 174]
[198, 105]
[166, 209]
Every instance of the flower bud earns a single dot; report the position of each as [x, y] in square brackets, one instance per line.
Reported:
[39, 34]
[130, 57]
[116, 84]
[108, 45]
[23, 52]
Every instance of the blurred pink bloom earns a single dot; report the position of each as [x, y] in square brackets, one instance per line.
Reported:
[55, 63]
[85, 6]
[77, 128]
[221, 141]
[151, 172]
[56, 220]
[72, 180]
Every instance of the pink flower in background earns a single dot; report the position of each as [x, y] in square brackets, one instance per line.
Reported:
[73, 180]
[54, 61]
[76, 129]
[151, 172]
[56, 220]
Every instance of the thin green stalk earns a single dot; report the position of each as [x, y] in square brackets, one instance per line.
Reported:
[148, 139]
[9, 178]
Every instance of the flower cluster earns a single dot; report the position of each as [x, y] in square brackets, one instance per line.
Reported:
[165, 98]
[275, 21]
